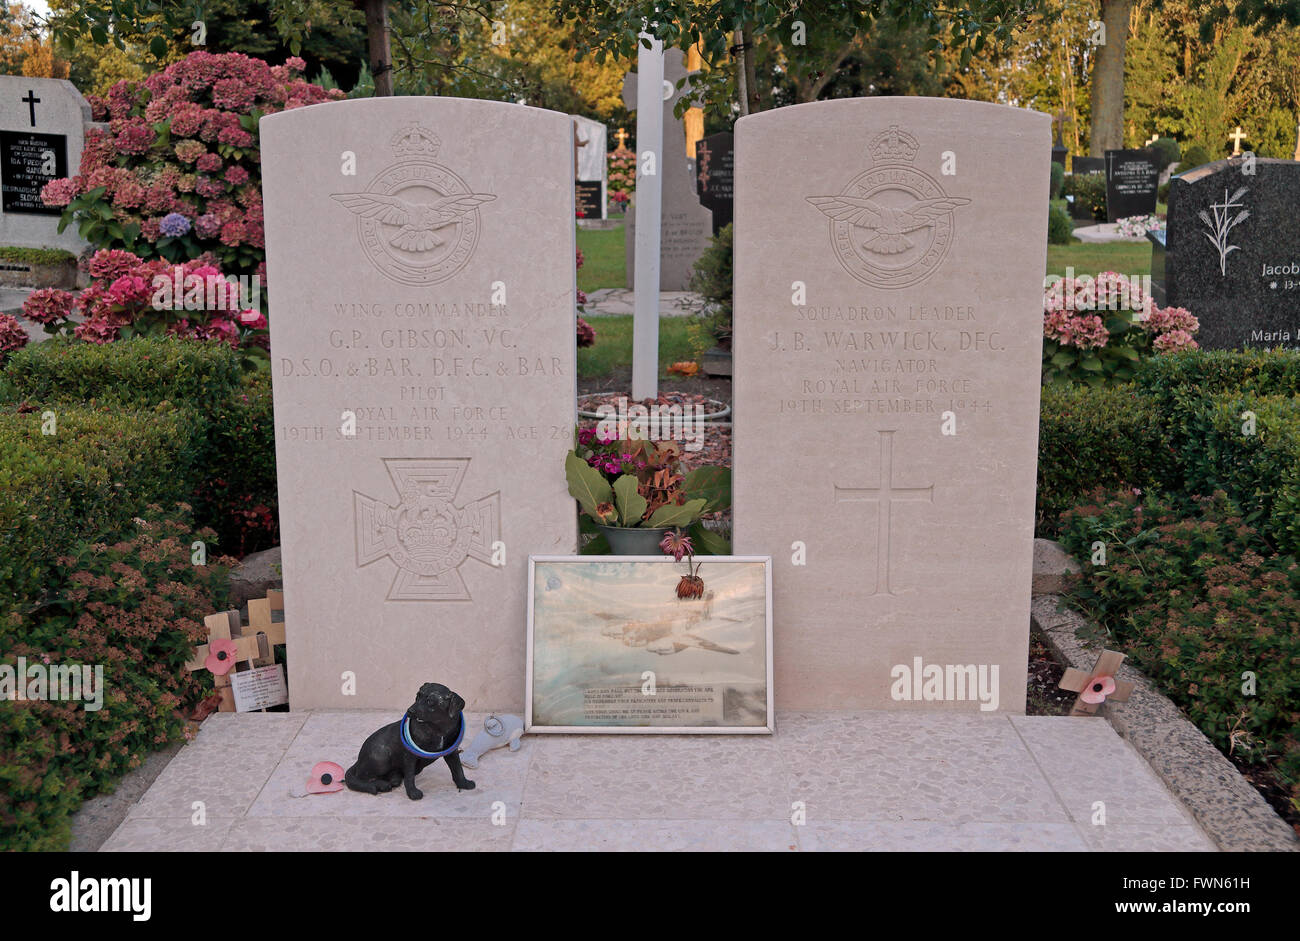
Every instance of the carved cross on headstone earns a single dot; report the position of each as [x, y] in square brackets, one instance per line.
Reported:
[884, 496]
[1237, 137]
[31, 101]
[1098, 686]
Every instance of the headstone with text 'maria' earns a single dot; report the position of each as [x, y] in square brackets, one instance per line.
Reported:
[422, 286]
[889, 258]
[42, 132]
[1231, 252]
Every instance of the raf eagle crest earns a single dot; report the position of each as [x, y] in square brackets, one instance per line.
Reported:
[892, 225]
[418, 222]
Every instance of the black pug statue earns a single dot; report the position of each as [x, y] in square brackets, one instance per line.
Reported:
[431, 729]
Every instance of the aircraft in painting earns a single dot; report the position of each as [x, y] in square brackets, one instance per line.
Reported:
[668, 635]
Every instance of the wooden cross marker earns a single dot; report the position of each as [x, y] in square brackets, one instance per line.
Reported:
[254, 645]
[1237, 137]
[1100, 684]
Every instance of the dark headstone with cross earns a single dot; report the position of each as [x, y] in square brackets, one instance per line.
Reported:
[715, 175]
[42, 132]
[686, 224]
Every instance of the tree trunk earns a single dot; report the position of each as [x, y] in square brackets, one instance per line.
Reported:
[751, 71]
[1107, 131]
[742, 90]
[381, 54]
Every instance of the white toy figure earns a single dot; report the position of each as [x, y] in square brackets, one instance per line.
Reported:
[497, 731]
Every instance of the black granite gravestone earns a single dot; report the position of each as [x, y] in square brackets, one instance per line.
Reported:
[27, 162]
[1231, 252]
[1080, 164]
[1132, 180]
[586, 199]
[715, 171]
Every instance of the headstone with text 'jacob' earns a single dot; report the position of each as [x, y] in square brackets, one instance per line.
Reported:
[889, 258]
[42, 132]
[421, 282]
[1231, 252]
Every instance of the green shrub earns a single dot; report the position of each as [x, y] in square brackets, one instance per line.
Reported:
[1088, 189]
[237, 494]
[90, 477]
[1249, 447]
[133, 606]
[136, 373]
[711, 278]
[1210, 372]
[1090, 437]
[1196, 598]
[1167, 151]
[1193, 157]
[1059, 225]
[1058, 180]
[1162, 193]
[17, 254]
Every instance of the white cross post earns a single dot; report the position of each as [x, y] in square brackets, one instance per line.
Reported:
[1237, 137]
[649, 190]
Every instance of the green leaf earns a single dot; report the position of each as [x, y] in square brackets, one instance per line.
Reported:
[672, 514]
[713, 484]
[707, 542]
[1091, 363]
[158, 46]
[1063, 358]
[586, 484]
[631, 505]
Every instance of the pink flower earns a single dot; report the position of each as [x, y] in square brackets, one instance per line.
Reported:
[236, 176]
[1098, 688]
[47, 306]
[96, 331]
[208, 187]
[129, 291]
[232, 233]
[132, 136]
[12, 335]
[111, 263]
[207, 226]
[60, 192]
[1173, 341]
[676, 544]
[252, 319]
[235, 136]
[209, 163]
[187, 151]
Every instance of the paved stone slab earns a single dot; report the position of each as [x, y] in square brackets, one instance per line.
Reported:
[861, 781]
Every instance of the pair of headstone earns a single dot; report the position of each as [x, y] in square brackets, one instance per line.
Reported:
[888, 257]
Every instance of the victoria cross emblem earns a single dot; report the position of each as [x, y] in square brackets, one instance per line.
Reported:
[426, 535]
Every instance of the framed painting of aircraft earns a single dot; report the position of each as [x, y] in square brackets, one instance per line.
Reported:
[612, 647]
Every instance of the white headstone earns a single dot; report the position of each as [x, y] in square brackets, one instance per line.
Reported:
[889, 259]
[422, 286]
[42, 133]
[589, 156]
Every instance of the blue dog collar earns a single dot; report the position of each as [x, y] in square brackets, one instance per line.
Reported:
[419, 752]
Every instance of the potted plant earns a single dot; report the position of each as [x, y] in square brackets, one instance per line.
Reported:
[634, 492]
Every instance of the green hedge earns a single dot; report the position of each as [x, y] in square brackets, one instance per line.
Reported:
[231, 479]
[136, 373]
[90, 478]
[1090, 437]
[1209, 372]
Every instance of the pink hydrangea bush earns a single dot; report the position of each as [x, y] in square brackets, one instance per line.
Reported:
[1097, 330]
[12, 336]
[179, 164]
[130, 296]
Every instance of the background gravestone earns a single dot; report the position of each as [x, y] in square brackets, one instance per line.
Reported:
[894, 544]
[42, 132]
[589, 167]
[1231, 253]
[1132, 183]
[427, 300]
[715, 175]
[685, 225]
[1081, 164]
